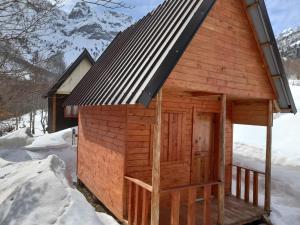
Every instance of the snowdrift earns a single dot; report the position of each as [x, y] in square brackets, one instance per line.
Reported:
[15, 139]
[37, 192]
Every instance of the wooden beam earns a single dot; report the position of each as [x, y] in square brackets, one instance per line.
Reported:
[268, 159]
[156, 162]
[222, 146]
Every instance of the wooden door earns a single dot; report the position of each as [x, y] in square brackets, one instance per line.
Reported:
[202, 147]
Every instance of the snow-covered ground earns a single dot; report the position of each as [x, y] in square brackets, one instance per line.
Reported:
[249, 151]
[36, 176]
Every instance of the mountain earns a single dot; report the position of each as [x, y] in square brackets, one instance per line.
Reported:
[289, 46]
[85, 26]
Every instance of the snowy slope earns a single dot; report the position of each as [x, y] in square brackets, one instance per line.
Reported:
[37, 193]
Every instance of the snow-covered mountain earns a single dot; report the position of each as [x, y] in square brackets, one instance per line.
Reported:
[85, 26]
[289, 46]
[289, 43]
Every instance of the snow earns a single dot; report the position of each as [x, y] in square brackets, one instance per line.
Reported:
[37, 192]
[249, 151]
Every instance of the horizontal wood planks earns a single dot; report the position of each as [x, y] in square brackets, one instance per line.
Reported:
[250, 112]
[101, 153]
[223, 57]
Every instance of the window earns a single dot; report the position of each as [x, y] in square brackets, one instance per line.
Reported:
[71, 111]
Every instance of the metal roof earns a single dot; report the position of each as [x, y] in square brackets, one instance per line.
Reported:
[258, 14]
[60, 80]
[139, 60]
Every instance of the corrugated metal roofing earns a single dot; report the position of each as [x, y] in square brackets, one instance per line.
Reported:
[258, 14]
[139, 60]
[66, 74]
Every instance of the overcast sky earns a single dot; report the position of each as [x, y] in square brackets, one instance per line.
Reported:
[283, 13]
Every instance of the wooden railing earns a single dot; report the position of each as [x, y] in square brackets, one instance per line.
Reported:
[139, 200]
[255, 177]
[191, 202]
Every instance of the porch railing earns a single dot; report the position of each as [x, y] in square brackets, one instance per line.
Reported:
[191, 202]
[247, 182]
[139, 201]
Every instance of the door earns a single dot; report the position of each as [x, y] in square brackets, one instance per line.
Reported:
[202, 147]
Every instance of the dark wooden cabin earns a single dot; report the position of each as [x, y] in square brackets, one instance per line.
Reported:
[158, 107]
[59, 117]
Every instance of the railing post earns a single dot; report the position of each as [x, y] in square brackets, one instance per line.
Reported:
[255, 188]
[268, 159]
[238, 181]
[145, 208]
[130, 200]
[175, 208]
[136, 205]
[247, 185]
[192, 195]
[156, 162]
[221, 187]
[207, 205]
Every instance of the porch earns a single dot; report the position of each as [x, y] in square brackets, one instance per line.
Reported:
[197, 204]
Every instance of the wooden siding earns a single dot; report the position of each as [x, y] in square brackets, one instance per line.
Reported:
[223, 57]
[101, 153]
[250, 113]
[175, 171]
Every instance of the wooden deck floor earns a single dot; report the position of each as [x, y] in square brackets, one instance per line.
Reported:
[237, 212]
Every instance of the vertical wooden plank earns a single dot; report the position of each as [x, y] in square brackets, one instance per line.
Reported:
[130, 195]
[255, 188]
[207, 205]
[222, 144]
[192, 196]
[145, 208]
[136, 205]
[175, 208]
[238, 182]
[247, 185]
[268, 159]
[156, 162]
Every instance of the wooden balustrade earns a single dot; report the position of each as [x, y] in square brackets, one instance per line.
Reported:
[255, 177]
[191, 202]
[139, 199]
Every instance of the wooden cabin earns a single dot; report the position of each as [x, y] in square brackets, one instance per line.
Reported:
[157, 112]
[59, 117]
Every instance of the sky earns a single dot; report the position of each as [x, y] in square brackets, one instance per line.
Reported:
[283, 14]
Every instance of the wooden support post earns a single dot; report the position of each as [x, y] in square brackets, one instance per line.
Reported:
[156, 162]
[53, 128]
[268, 160]
[145, 208]
[175, 208]
[221, 187]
